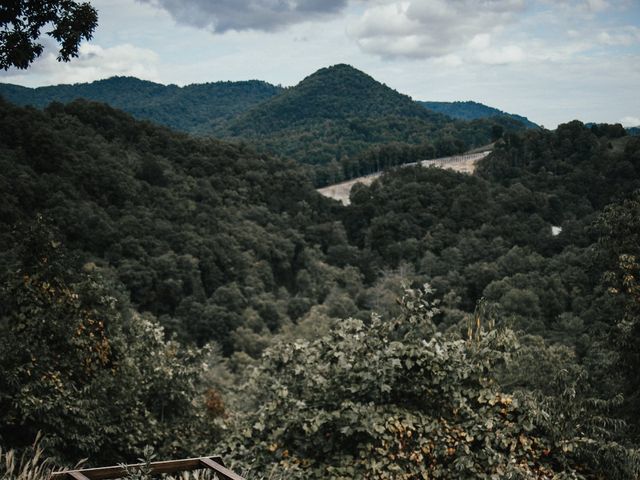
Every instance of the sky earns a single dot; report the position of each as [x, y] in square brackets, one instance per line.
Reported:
[550, 60]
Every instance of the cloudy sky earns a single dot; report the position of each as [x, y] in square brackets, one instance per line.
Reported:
[550, 60]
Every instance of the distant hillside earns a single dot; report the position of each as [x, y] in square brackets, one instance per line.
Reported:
[339, 113]
[339, 119]
[189, 225]
[192, 108]
[107, 223]
[334, 93]
[633, 130]
[472, 111]
[611, 130]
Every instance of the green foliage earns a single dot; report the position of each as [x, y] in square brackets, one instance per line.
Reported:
[472, 111]
[333, 93]
[490, 235]
[397, 400]
[574, 404]
[339, 119]
[193, 108]
[341, 115]
[619, 241]
[96, 378]
[142, 472]
[221, 243]
[21, 23]
[179, 219]
[607, 130]
[582, 427]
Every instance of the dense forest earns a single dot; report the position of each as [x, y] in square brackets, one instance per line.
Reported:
[193, 108]
[196, 295]
[345, 124]
[339, 120]
[470, 110]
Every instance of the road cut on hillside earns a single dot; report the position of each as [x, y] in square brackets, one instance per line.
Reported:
[464, 163]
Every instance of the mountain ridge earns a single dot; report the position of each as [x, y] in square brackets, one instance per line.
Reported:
[338, 118]
[470, 110]
[186, 108]
[337, 92]
[202, 108]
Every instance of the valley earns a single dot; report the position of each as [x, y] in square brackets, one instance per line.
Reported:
[181, 276]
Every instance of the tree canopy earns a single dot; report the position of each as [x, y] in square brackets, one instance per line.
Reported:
[21, 22]
[196, 285]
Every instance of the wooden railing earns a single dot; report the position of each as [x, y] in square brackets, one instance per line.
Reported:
[214, 463]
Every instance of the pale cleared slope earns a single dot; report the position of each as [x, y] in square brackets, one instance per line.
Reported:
[464, 163]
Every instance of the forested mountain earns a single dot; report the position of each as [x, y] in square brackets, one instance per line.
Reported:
[193, 108]
[464, 234]
[336, 92]
[333, 93]
[339, 120]
[345, 123]
[470, 110]
[327, 357]
[196, 229]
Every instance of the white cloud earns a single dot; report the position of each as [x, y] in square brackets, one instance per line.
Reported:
[480, 41]
[94, 62]
[539, 58]
[449, 60]
[267, 15]
[431, 28]
[480, 50]
[502, 55]
[630, 121]
[597, 5]
[98, 62]
[624, 36]
[581, 6]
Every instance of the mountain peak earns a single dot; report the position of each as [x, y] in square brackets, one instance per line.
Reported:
[338, 92]
[470, 110]
[119, 79]
[343, 74]
[341, 68]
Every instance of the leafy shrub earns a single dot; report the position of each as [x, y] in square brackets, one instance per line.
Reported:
[392, 400]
